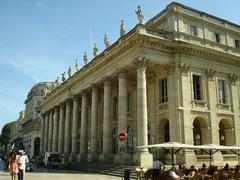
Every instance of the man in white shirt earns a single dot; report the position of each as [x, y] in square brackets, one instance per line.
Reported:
[23, 159]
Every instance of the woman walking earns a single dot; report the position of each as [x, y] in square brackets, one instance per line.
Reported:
[13, 166]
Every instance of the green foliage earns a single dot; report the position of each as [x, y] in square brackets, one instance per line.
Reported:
[5, 134]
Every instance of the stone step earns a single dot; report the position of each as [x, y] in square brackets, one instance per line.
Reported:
[107, 169]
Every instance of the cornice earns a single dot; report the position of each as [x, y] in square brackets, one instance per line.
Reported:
[135, 40]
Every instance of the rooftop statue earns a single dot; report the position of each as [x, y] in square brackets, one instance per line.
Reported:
[106, 41]
[63, 77]
[69, 72]
[76, 65]
[85, 59]
[95, 50]
[57, 82]
[140, 15]
[122, 29]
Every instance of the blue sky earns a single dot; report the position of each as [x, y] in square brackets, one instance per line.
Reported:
[39, 39]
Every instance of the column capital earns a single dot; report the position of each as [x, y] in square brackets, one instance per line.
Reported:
[141, 62]
[83, 92]
[184, 68]
[94, 86]
[210, 73]
[121, 73]
[233, 78]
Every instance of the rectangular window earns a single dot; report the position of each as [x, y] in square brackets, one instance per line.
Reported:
[129, 102]
[193, 30]
[216, 37]
[221, 92]
[197, 87]
[163, 90]
[237, 43]
[115, 106]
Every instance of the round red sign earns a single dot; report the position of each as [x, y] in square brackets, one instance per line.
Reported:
[122, 136]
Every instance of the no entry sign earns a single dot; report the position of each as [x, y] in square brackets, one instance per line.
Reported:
[122, 136]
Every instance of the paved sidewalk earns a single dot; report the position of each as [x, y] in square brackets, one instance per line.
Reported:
[61, 176]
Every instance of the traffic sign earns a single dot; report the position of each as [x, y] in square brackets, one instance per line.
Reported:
[122, 136]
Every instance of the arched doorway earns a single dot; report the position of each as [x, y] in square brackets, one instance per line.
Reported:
[36, 146]
[201, 133]
[163, 135]
[225, 133]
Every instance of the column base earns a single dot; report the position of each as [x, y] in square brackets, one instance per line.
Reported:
[217, 159]
[187, 157]
[105, 158]
[92, 157]
[82, 157]
[143, 159]
[122, 158]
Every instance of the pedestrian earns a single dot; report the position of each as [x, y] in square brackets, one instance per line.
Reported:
[62, 161]
[13, 166]
[157, 167]
[23, 159]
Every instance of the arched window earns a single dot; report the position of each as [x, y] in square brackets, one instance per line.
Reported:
[222, 135]
[197, 135]
[166, 132]
[115, 140]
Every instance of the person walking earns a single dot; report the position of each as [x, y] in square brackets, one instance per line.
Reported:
[13, 166]
[23, 159]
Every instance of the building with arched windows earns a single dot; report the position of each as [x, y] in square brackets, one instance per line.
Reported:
[173, 78]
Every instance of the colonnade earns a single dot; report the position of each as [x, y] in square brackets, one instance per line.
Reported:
[59, 128]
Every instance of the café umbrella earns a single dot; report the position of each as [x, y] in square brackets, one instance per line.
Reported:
[211, 149]
[174, 147]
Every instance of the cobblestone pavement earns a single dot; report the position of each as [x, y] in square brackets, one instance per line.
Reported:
[61, 176]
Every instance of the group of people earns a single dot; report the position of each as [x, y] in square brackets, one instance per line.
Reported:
[17, 165]
[182, 172]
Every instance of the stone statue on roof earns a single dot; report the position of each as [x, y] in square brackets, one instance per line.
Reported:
[69, 72]
[106, 41]
[63, 77]
[56, 83]
[85, 58]
[140, 15]
[76, 65]
[122, 29]
[95, 50]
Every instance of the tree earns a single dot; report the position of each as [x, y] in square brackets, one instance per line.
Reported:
[5, 135]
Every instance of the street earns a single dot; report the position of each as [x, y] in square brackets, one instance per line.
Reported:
[57, 175]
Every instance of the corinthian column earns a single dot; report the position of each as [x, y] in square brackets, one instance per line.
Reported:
[145, 158]
[75, 125]
[50, 130]
[42, 134]
[61, 133]
[122, 106]
[46, 131]
[55, 129]
[67, 128]
[93, 154]
[105, 156]
[83, 135]
[122, 156]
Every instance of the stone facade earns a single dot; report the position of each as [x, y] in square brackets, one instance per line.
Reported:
[16, 132]
[32, 120]
[174, 78]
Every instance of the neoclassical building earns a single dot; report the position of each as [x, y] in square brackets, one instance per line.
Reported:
[173, 78]
[30, 124]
